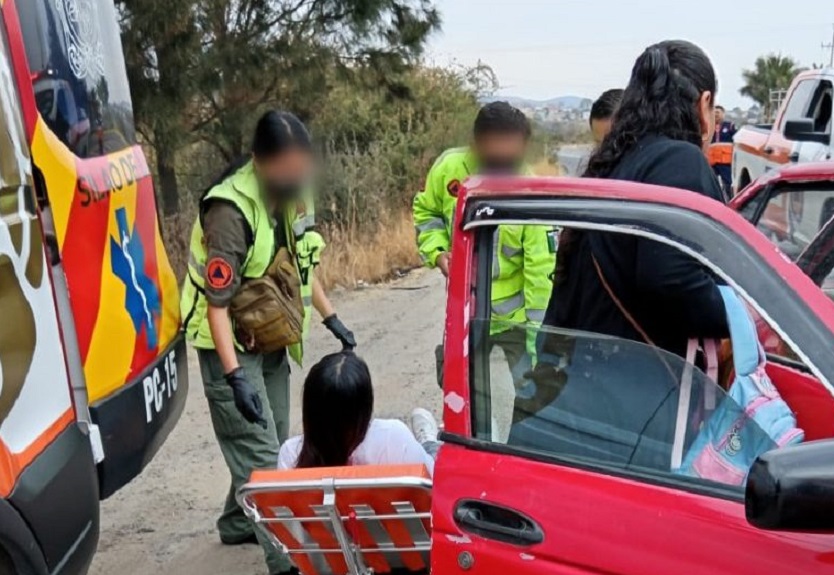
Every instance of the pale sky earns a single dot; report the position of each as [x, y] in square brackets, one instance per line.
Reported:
[541, 49]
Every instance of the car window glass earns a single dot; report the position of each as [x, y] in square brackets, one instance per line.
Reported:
[794, 215]
[751, 209]
[821, 107]
[799, 102]
[593, 399]
[589, 399]
[78, 73]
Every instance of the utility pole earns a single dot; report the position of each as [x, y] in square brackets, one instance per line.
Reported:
[830, 46]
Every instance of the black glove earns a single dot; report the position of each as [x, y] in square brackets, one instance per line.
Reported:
[340, 330]
[247, 400]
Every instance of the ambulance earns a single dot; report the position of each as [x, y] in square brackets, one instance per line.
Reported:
[93, 370]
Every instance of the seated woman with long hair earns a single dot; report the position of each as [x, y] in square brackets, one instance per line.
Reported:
[339, 427]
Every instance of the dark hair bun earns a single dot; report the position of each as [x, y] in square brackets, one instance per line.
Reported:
[278, 131]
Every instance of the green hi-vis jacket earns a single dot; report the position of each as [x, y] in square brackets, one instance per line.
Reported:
[242, 190]
[523, 256]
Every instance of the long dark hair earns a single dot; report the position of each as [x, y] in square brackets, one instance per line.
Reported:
[662, 98]
[337, 406]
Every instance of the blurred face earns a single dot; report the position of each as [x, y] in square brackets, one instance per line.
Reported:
[284, 176]
[500, 153]
[719, 116]
[600, 128]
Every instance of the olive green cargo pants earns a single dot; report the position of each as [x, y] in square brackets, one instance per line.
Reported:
[247, 446]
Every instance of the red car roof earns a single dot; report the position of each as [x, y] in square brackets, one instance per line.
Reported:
[485, 187]
[809, 172]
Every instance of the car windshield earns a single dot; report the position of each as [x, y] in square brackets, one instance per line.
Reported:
[594, 399]
[817, 260]
[796, 218]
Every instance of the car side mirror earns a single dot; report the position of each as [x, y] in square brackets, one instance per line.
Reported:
[803, 131]
[792, 489]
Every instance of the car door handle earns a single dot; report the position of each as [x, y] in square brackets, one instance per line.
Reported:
[498, 523]
[768, 150]
[794, 157]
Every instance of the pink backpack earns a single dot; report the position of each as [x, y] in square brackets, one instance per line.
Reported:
[750, 421]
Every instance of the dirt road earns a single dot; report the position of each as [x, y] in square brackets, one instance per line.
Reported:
[163, 522]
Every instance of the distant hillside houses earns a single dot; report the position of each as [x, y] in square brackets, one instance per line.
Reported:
[570, 109]
[555, 110]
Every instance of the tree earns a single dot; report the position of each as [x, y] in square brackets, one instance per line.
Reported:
[205, 69]
[769, 73]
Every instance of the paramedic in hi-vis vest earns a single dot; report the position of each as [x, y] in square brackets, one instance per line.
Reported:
[246, 304]
[524, 257]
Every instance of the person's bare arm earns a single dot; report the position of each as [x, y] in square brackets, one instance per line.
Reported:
[320, 300]
[331, 321]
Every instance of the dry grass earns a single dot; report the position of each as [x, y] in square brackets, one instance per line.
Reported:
[546, 167]
[350, 259]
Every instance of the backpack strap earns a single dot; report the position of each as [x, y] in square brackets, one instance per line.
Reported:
[710, 347]
[747, 352]
[684, 399]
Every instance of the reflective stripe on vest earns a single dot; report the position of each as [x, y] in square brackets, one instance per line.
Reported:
[432, 224]
[508, 306]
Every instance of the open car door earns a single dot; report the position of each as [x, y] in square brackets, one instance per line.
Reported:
[579, 476]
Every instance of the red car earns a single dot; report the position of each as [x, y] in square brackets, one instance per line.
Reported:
[793, 207]
[583, 484]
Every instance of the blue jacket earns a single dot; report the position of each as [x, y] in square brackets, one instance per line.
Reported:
[724, 133]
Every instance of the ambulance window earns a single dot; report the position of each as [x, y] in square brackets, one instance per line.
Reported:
[78, 73]
[14, 153]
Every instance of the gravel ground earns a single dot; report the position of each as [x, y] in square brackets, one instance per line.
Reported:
[163, 522]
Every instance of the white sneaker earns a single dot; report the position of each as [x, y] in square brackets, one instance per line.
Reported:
[423, 425]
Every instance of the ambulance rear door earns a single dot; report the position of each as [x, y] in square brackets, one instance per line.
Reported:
[98, 191]
[47, 470]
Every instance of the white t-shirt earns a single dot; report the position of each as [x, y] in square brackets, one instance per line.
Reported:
[388, 442]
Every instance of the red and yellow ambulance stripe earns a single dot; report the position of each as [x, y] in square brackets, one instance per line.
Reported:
[101, 206]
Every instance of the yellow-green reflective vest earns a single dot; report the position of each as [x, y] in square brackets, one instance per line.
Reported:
[309, 249]
[242, 190]
[524, 256]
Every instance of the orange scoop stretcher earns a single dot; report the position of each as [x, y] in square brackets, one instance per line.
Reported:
[358, 520]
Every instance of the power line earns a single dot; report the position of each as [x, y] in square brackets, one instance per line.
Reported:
[830, 46]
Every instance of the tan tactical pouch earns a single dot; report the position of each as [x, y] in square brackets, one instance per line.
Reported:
[268, 313]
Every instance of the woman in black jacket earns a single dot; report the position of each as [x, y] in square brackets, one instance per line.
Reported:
[665, 120]
[593, 397]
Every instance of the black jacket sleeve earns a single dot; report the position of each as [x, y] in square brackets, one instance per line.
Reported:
[667, 273]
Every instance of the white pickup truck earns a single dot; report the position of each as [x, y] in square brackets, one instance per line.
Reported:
[801, 133]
